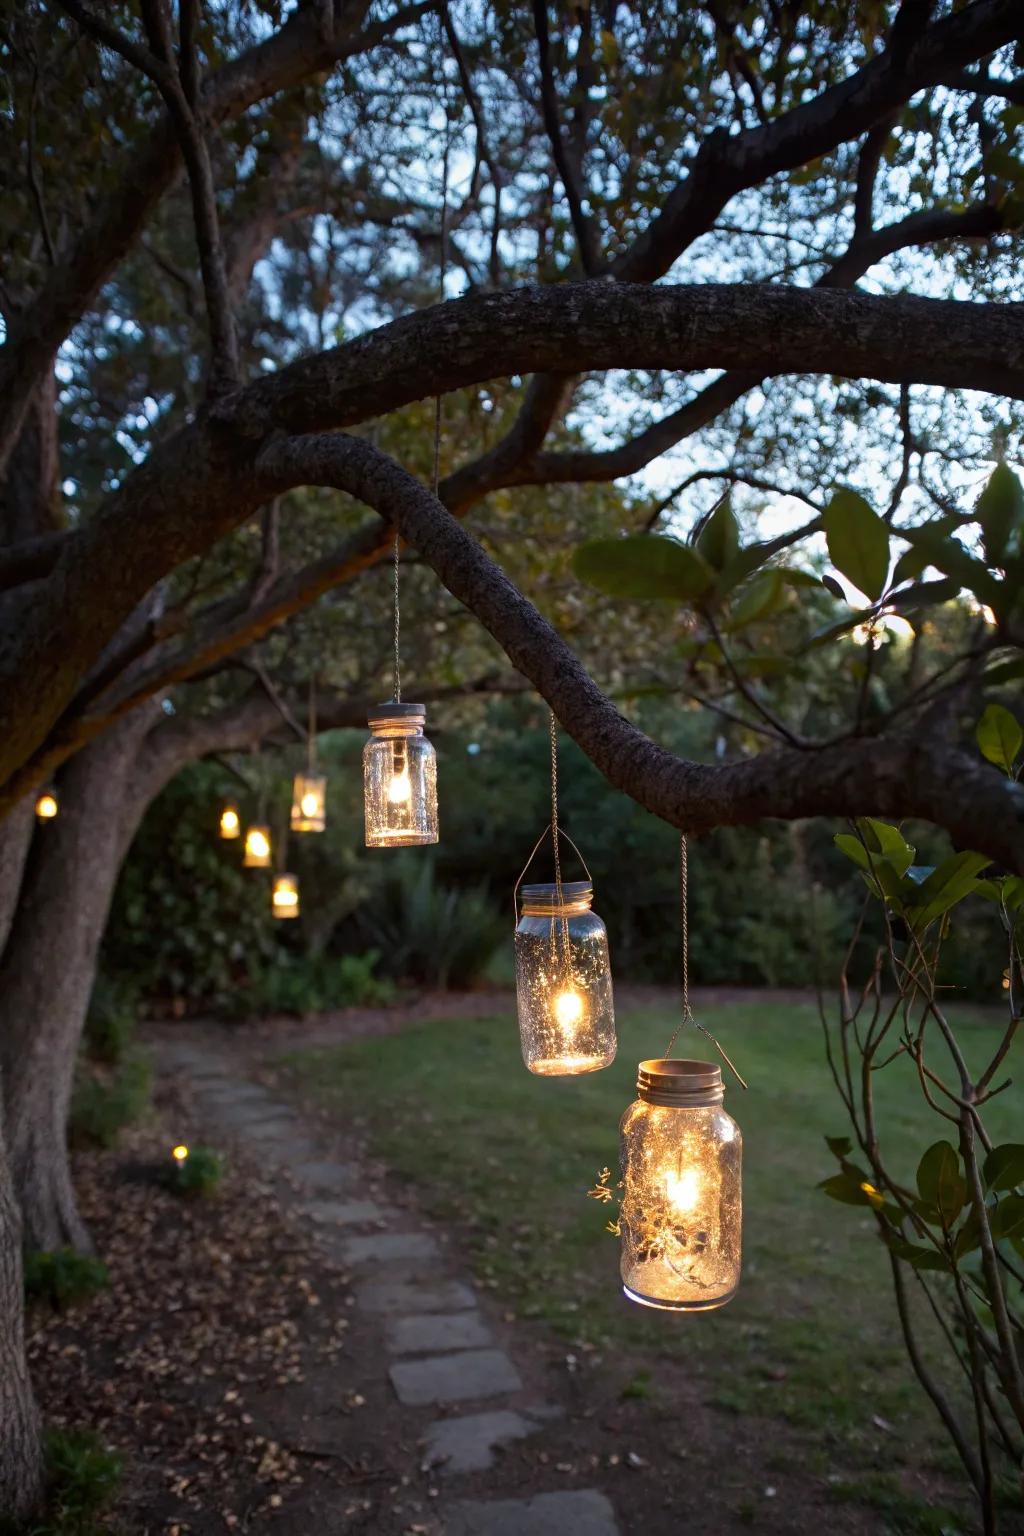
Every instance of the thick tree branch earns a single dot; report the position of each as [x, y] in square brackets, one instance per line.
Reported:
[887, 776]
[205, 480]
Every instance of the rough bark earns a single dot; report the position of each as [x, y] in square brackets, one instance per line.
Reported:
[21, 1456]
[47, 973]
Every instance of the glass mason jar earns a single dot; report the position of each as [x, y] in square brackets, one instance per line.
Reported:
[257, 848]
[563, 982]
[681, 1212]
[309, 803]
[399, 779]
[285, 896]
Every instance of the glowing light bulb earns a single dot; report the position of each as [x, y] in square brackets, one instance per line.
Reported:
[286, 898]
[683, 1189]
[568, 1009]
[258, 844]
[400, 789]
[180, 1154]
[229, 822]
[310, 805]
[46, 807]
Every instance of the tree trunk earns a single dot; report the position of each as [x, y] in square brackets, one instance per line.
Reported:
[21, 1453]
[48, 969]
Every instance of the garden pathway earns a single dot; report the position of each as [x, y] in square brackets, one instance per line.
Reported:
[454, 1387]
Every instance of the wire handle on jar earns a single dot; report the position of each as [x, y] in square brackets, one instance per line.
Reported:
[688, 1018]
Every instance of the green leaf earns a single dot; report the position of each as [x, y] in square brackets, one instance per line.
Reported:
[1000, 511]
[719, 540]
[840, 1146]
[1007, 1220]
[969, 1236]
[922, 594]
[999, 736]
[939, 1181]
[849, 1190]
[643, 566]
[858, 542]
[883, 838]
[840, 627]
[913, 1253]
[948, 555]
[758, 599]
[955, 878]
[1004, 1166]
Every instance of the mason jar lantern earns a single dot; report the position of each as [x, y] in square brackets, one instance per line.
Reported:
[257, 848]
[285, 896]
[399, 779]
[563, 981]
[680, 1218]
[230, 825]
[46, 805]
[309, 803]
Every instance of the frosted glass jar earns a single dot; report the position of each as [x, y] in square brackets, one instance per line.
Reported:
[681, 1213]
[563, 982]
[399, 779]
[309, 803]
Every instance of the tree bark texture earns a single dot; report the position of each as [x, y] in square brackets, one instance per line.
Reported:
[21, 1453]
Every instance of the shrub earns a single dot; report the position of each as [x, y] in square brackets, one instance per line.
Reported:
[440, 937]
[106, 1099]
[63, 1278]
[198, 1174]
[305, 984]
[82, 1481]
[111, 1020]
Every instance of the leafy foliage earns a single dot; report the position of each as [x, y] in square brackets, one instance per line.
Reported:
[198, 1175]
[63, 1277]
[105, 1100]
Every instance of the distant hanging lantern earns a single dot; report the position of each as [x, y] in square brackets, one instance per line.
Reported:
[46, 805]
[230, 825]
[563, 973]
[563, 981]
[285, 898]
[309, 803]
[681, 1214]
[399, 779]
[309, 789]
[257, 848]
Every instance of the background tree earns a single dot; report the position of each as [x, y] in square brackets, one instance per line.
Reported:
[209, 200]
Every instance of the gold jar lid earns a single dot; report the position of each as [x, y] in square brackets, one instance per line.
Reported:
[680, 1084]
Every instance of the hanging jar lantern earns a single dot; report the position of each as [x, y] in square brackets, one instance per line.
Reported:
[681, 1214]
[230, 825]
[309, 803]
[285, 896]
[257, 848]
[46, 805]
[309, 789]
[399, 779]
[563, 981]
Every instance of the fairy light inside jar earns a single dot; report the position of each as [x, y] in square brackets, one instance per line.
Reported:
[399, 779]
[563, 982]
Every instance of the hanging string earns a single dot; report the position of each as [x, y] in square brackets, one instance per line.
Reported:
[687, 1014]
[311, 729]
[563, 923]
[396, 693]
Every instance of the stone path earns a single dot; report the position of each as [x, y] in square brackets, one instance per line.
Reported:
[442, 1351]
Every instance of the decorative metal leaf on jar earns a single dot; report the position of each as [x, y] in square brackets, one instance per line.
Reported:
[309, 803]
[399, 779]
[257, 848]
[563, 981]
[680, 1218]
[285, 896]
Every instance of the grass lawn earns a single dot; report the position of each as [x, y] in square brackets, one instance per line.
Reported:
[811, 1336]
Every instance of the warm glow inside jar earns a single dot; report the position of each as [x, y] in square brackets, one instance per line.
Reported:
[563, 982]
[285, 897]
[399, 779]
[681, 1212]
[309, 803]
[46, 805]
[257, 848]
[230, 826]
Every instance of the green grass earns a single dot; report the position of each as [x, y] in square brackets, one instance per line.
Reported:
[812, 1334]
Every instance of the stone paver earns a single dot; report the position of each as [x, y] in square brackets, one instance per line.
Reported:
[387, 1247]
[470, 1374]
[467, 1444]
[325, 1178]
[433, 1334]
[580, 1512]
[343, 1213]
[414, 1296]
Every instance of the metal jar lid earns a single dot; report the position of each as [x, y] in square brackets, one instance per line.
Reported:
[543, 898]
[394, 713]
[680, 1084]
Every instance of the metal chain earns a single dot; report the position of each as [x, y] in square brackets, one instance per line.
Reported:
[687, 1014]
[311, 732]
[397, 691]
[563, 924]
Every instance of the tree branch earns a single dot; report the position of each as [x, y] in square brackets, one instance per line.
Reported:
[890, 776]
[586, 238]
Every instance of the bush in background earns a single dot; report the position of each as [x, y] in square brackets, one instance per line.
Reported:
[63, 1278]
[437, 936]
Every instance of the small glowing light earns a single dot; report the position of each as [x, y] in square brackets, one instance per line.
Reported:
[400, 789]
[46, 806]
[285, 896]
[257, 848]
[180, 1154]
[229, 823]
[682, 1189]
[568, 1007]
[310, 804]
